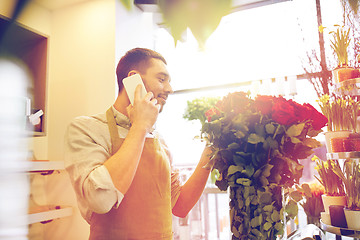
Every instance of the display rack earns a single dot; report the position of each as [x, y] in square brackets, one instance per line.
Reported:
[340, 231]
[348, 87]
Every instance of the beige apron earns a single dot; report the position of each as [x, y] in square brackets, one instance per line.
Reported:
[145, 211]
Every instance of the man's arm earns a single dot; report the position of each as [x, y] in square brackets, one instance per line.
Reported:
[193, 188]
[123, 164]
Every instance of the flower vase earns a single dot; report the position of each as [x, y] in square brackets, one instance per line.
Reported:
[256, 213]
[332, 200]
[352, 219]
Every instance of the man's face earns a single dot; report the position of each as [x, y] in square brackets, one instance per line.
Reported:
[157, 80]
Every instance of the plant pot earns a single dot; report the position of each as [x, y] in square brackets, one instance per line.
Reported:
[334, 134]
[352, 219]
[325, 218]
[344, 73]
[332, 200]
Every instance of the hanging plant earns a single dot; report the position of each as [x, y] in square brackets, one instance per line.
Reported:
[202, 17]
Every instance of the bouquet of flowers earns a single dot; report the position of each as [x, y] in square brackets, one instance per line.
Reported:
[257, 146]
[309, 197]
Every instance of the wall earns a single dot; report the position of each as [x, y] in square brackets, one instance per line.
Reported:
[81, 73]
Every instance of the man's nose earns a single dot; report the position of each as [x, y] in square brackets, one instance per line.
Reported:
[168, 89]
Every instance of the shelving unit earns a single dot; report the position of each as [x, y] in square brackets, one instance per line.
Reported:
[28, 47]
[47, 213]
[41, 166]
[44, 217]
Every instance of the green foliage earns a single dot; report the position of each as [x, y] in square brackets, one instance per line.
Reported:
[127, 4]
[256, 156]
[196, 108]
[202, 17]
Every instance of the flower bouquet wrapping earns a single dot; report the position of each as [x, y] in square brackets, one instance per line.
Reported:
[257, 146]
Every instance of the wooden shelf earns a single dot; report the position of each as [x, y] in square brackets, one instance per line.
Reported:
[44, 217]
[44, 166]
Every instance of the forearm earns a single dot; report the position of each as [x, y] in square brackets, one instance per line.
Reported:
[123, 164]
[192, 190]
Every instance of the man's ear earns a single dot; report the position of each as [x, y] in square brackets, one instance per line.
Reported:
[132, 72]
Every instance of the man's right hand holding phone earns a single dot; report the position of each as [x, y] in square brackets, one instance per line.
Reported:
[145, 111]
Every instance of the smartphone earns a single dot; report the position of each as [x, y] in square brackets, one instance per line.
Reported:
[130, 83]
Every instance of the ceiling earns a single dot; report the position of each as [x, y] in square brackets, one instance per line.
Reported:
[57, 4]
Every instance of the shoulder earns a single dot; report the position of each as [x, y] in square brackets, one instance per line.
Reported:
[88, 122]
[88, 125]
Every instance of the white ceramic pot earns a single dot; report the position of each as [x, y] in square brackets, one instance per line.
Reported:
[332, 200]
[334, 134]
[352, 219]
[325, 217]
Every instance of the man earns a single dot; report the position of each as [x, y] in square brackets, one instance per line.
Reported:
[120, 168]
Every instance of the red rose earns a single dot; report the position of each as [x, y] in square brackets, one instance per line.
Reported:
[264, 104]
[284, 111]
[211, 112]
[317, 118]
[235, 102]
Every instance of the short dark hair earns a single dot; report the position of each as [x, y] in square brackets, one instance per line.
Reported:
[135, 59]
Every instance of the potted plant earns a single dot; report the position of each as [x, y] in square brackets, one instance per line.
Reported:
[342, 113]
[334, 192]
[350, 175]
[258, 146]
[339, 43]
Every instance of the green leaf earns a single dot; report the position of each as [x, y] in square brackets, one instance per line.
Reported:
[295, 130]
[295, 140]
[312, 143]
[264, 181]
[240, 203]
[240, 134]
[215, 127]
[127, 4]
[235, 232]
[249, 170]
[296, 195]
[233, 146]
[267, 226]
[279, 227]
[234, 169]
[254, 138]
[256, 221]
[267, 170]
[265, 198]
[272, 143]
[292, 208]
[259, 129]
[243, 181]
[275, 216]
[268, 208]
[270, 128]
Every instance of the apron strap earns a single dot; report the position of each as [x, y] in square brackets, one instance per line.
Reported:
[114, 134]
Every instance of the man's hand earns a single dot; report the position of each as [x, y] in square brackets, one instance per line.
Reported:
[145, 111]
